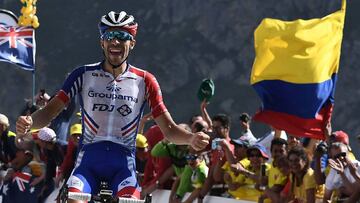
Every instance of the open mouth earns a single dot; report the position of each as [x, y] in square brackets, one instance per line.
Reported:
[114, 51]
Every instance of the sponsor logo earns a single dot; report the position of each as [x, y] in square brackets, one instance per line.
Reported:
[99, 75]
[112, 87]
[112, 96]
[124, 110]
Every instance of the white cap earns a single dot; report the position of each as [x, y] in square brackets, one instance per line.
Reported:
[4, 120]
[47, 134]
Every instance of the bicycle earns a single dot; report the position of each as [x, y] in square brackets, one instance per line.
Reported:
[104, 196]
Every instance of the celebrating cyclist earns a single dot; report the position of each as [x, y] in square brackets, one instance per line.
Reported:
[112, 95]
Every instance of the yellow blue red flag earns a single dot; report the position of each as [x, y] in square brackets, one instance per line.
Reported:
[295, 72]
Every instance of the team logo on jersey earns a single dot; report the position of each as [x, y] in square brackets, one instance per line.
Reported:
[112, 86]
[124, 110]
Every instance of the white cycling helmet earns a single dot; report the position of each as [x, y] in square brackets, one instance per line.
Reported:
[121, 20]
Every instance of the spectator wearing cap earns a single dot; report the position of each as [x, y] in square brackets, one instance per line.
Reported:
[70, 156]
[247, 185]
[276, 179]
[322, 151]
[7, 141]
[343, 173]
[53, 157]
[240, 156]
[142, 154]
[245, 121]
[302, 185]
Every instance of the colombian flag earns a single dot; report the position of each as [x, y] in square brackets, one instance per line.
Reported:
[295, 72]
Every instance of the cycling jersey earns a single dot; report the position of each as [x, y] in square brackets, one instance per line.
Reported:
[112, 108]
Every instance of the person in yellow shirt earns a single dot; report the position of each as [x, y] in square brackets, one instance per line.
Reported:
[247, 185]
[302, 180]
[276, 179]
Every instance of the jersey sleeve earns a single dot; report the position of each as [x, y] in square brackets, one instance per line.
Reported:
[154, 95]
[72, 85]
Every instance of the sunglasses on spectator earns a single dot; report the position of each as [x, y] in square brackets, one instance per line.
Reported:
[191, 157]
[120, 35]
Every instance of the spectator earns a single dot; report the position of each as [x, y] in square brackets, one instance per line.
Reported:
[268, 137]
[12, 159]
[53, 155]
[239, 156]
[245, 120]
[276, 179]
[342, 175]
[157, 170]
[302, 186]
[70, 156]
[221, 130]
[276, 196]
[142, 154]
[191, 180]
[7, 141]
[247, 185]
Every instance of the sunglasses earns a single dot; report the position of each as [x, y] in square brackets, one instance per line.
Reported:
[191, 157]
[120, 35]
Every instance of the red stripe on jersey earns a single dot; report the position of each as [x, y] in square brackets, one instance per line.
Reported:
[154, 95]
[89, 124]
[130, 129]
[63, 96]
[138, 72]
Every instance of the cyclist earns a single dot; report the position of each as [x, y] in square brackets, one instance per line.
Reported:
[112, 94]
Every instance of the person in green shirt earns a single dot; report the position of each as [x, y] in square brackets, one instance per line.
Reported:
[191, 180]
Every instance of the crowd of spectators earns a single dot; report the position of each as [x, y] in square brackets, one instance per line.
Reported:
[276, 167]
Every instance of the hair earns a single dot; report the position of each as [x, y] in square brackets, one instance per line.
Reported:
[191, 120]
[223, 119]
[301, 153]
[278, 141]
[244, 117]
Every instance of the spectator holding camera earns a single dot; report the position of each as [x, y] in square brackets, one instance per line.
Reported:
[322, 154]
[221, 131]
[344, 174]
[245, 121]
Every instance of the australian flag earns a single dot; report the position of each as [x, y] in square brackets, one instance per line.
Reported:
[17, 46]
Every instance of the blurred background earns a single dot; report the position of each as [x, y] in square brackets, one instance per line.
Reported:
[181, 42]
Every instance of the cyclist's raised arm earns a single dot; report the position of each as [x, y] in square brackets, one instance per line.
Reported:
[41, 117]
[180, 136]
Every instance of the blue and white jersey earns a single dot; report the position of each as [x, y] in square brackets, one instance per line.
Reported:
[112, 107]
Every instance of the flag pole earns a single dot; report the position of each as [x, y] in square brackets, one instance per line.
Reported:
[33, 87]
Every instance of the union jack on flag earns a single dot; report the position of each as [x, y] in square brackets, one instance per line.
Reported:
[17, 46]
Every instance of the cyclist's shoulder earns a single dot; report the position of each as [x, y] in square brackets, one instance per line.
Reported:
[86, 68]
[140, 72]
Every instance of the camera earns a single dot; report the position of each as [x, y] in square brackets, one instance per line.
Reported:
[322, 148]
[215, 144]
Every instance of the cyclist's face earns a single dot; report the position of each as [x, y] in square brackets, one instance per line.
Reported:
[116, 50]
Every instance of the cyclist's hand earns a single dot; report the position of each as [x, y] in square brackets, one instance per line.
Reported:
[23, 125]
[199, 141]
